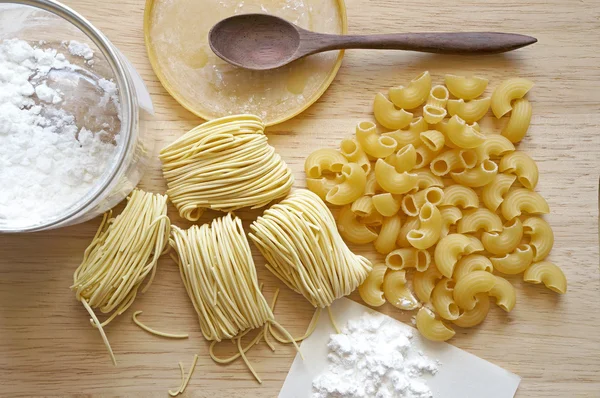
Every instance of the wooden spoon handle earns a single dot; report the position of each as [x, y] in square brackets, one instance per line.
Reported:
[462, 43]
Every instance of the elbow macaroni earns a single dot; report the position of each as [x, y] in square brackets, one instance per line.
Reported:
[519, 121]
[322, 160]
[438, 96]
[363, 206]
[501, 243]
[442, 299]
[433, 139]
[541, 237]
[388, 116]
[386, 240]
[463, 135]
[522, 166]
[432, 328]
[352, 151]
[408, 257]
[403, 160]
[504, 293]
[414, 94]
[371, 290]
[460, 196]
[426, 179]
[410, 135]
[386, 204]
[477, 315]
[470, 111]
[372, 143]
[474, 220]
[428, 233]
[506, 92]
[493, 193]
[424, 283]
[514, 263]
[470, 285]
[453, 160]
[351, 229]
[450, 216]
[392, 181]
[397, 293]
[522, 200]
[322, 186]
[448, 251]
[495, 145]
[478, 176]
[466, 88]
[352, 187]
[549, 274]
[470, 263]
[410, 224]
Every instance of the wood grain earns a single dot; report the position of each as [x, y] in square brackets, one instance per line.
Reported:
[47, 346]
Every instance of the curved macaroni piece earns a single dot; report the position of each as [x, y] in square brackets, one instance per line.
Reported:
[386, 204]
[519, 121]
[478, 176]
[351, 229]
[501, 243]
[547, 273]
[363, 206]
[460, 196]
[352, 151]
[372, 187]
[414, 94]
[523, 166]
[506, 92]
[410, 224]
[372, 142]
[397, 293]
[514, 263]
[495, 145]
[470, 111]
[410, 135]
[442, 299]
[432, 328]
[408, 257]
[466, 88]
[386, 240]
[404, 159]
[371, 290]
[392, 181]
[424, 156]
[493, 193]
[522, 200]
[438, 96]
[475, 245]
[388, 116]
[411, 204]
[450, 216]
[504, 293]
[372, 220]
[424, 283]
[429, 228]
[351, 188]
[470, 263]
[433, 114]
[426, 179]
[470, 285]
[462, 135]
[477, 315]
[453, 160]
[448, 251]
[322, 186]
[541, 237]
[324, 159]
[433, 139]
[482, 218]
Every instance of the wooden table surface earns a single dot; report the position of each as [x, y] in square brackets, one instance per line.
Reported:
[47, 346]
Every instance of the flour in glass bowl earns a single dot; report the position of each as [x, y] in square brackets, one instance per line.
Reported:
[374, 357]
[49, 161]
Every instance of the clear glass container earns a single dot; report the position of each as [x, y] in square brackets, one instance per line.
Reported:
[52, 24]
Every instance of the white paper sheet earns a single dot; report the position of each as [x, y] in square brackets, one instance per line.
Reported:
[461, 375]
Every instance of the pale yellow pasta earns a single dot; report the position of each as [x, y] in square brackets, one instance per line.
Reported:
[433, 114]
[438, 96]
[414, 94]
[478, 176]
[475, 245]
[514, 263]
[448, 250]
[410, 224]
[432, 328]
[408, 257]
[352, 151]
[506, 92]
[433, 139]
[470, 285]
[450, 216]
[404, 159]
[386, 204]
[501, 243]
[386, 240]
[397, 293]
[482, 218]
[392, 181]
[372, 187]
[351, 229]
[470, 263]
[466, 88]
[363, 206]
[541, 237]
[372, 142]
[411, 204]
[426, 179]
[388, 115]
[520, 118]
[547, 273]
[351, 188]
[371, 290]
[372, 220]
[428, 233]
[522, 200]
[424, 156]
[494, 146]
[322, 186]
[462, 135]
[453, 160]
[424, 282]
[442, 299]
[477, 315]
[411, 135]
[470, 111]
[504, 293]
[520, 164]
[460, 196]
[492, 195]
[324, 160]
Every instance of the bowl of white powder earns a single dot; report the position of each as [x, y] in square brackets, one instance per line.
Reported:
[72, 113]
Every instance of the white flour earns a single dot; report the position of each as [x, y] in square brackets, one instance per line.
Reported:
[373, 357]
[81, 50]
[47, 163]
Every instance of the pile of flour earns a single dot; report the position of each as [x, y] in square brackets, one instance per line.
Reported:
[47, 163]
[373, 357]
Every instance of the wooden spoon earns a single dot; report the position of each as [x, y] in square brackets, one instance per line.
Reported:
[262, 42]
